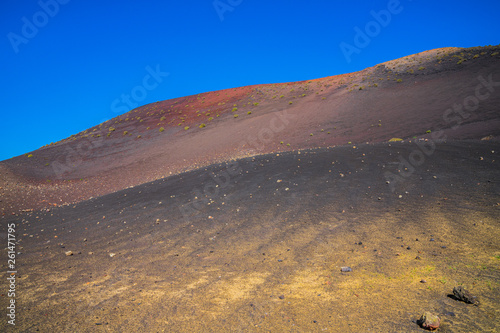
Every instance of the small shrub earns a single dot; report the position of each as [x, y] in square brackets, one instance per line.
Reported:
[255, 104]
[111, 129]
[162, 118]
[399, 80]
[421, 68]
[125, 132]
[235, 116]
[234, 109]
[311, 134]
[428, 131]
[138, 137]
[161, 129]
[281, 142]
[282, 96]
[249, 112]
[290, 102]
[30, 155]
[288, 145]
[202, 125]
[186, 128]
[395, 140]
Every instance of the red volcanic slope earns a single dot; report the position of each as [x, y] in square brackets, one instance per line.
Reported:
[452, 92]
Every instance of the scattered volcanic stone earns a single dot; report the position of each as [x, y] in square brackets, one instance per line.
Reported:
[345, 269]
[429, 321]
[463, 295]
[281, 297]
[69, 253]
[423, 281]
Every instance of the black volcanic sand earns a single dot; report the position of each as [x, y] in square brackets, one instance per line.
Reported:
[257, 245]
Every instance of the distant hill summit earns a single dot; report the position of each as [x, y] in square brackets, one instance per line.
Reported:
[442, 94]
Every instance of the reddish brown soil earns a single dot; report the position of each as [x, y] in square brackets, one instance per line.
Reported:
[256, 244]
[367, 106]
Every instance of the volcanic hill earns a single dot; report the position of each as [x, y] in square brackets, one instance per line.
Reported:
[349, 203]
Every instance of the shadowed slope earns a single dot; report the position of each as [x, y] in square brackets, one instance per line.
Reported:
[257, 245]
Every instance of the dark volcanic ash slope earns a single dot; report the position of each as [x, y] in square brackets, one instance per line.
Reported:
[257, 245]
[452, 89]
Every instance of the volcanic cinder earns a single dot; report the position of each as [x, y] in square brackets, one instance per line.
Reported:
[234, 210]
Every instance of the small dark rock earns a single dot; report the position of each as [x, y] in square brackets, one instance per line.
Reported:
[429, 321]
[463, 295]
[423, 281]
[408, 248]
[418, 258]
[432, 239]
[345, 269]
[281, 296]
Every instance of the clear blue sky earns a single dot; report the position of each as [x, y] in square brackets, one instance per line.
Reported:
[65, 68]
